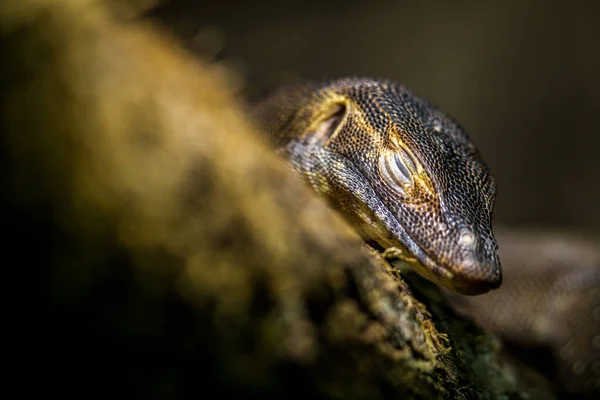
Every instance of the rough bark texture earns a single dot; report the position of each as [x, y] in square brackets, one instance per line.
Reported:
[170, 254]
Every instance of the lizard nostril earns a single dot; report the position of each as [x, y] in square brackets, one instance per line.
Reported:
[467, 239]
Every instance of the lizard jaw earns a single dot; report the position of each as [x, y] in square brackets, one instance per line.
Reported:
[436, 272]
[376, 222]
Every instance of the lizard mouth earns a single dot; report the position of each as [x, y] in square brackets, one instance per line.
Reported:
[380, 225]
[449, 277]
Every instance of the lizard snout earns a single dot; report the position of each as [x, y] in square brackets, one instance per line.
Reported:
[477, 274]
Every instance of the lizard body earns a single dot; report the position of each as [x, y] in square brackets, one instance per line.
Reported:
[402, 172]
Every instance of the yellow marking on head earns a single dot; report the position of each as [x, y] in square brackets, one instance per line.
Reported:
[360, 123]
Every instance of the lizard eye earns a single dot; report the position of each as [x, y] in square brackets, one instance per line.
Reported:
[327, 127]
[397, 168]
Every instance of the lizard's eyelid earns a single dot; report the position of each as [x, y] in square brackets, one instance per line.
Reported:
[407, 161]
[395, 171]
[329, 125]
[400, 168]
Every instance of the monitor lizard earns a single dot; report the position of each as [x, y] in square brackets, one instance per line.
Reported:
[404, 173]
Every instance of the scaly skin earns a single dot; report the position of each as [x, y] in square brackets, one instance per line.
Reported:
[405, 174]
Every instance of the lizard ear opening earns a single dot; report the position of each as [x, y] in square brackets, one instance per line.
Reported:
[327, 126]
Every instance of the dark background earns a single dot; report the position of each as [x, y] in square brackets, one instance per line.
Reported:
[523, 77]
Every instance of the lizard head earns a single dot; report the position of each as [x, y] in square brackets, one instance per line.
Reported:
[401, 171]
